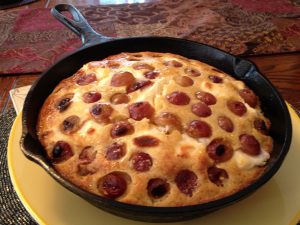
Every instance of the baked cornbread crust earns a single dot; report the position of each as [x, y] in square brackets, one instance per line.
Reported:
[155, 129]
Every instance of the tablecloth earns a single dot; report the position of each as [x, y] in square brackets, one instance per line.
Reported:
[31, 39]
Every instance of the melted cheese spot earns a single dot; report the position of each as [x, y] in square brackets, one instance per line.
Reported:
[188, 144]
[77, 96]
[86, 127]
[245, 161]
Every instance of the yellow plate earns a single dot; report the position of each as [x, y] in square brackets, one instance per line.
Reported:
[276, 203]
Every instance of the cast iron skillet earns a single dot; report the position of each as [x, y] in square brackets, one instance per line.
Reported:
[96, 47]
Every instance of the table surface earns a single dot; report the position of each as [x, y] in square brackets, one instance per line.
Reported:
[283, 70]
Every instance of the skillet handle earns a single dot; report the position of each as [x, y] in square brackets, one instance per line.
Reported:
[32, 149]
[78, 24]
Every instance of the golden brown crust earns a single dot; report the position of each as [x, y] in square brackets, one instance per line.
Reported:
[88, 125]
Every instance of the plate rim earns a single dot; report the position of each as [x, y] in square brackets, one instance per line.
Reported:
[25, 201]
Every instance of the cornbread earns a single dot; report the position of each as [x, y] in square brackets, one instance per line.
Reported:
[155, 129]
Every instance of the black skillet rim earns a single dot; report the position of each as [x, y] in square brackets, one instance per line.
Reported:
[213, 205]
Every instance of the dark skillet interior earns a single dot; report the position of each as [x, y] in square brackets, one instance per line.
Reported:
[272, 104]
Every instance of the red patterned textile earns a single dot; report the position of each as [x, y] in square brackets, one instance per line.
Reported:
[31, 40]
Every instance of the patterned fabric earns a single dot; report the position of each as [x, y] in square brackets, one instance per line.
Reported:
[14, 3]
[31, 40]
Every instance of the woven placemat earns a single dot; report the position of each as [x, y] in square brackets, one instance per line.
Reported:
[12, 212]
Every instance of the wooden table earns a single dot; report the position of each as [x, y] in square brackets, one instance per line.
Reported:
[283, 70]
